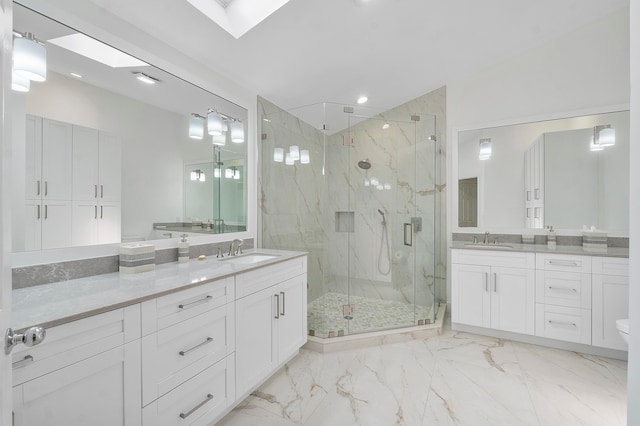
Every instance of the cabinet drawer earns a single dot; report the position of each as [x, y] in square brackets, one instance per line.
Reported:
[571, 289]
[610, 266]
[253, 281]
[198, 401]
[72, 342]
[173, 355]
[507, 259]
[177, 307]
[562, 323]
[563, 262]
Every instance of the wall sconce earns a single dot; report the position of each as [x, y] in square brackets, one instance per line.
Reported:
[594, 146]
[198, 175]
[237, 131]
[220, 140]
[196, 126]
[214, 123]
[485, 149]
[29, 57]
[19, 83]
[604, 135]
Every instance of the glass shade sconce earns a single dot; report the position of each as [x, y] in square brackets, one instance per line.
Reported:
[294, 154]
[29, 57]
[604, 135]
[216, 173]
[220, 140]
[278, 155]
[214, 123]
[196, 126]
[485, 149]
[232, 173]
[594, 146]
[288, 160]
[237, 131]
[304, 157]
[19, 83]
[198, 175]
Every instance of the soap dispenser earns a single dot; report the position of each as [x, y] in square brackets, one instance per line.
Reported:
[551, 238]
[183, 249]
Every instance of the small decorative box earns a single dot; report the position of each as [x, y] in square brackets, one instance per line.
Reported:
[594, 240]
[528, 239]
[136, 258]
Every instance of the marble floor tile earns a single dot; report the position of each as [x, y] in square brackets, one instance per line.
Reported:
[452, 379]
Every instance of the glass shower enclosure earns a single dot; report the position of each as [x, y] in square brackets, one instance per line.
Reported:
[356, 189]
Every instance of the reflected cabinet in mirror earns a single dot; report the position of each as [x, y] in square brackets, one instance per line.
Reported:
[563, 173]
[106, 146]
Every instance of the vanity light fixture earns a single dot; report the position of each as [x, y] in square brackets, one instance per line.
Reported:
[604, 135]
[236, 174]
[304, 157]
[19, 83]
[228, 173]
[362, 99]
[220, 140]
[147, 79]
[294, 152]
[196, 126]
[216, 172]
[288, 160]
[198, 175]
[278, 155]
[594, 146]
[214, 123]
[237, 131]
[29, 57]
[485, 149]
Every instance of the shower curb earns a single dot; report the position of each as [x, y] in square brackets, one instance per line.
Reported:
[378, 338]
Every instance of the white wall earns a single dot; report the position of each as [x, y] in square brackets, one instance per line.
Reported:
[585, 71]
[633, 378]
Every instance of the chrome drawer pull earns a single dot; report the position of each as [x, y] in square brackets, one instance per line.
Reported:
[563, 289]
[563, 263]
[486, 281]
[194, 409]
[277, 315]
[283, 303]
[28, 359]
[572, 324]
[196, 303]
[209, 340]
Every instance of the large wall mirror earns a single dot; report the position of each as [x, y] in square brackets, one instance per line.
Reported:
[564, 173]
[110, 149]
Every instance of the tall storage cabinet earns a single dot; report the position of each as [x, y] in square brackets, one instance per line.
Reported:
[534, 185]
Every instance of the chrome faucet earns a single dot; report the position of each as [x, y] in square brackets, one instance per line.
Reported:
[486, 238]
[238, 248]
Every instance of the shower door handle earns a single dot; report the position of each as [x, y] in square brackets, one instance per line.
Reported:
[408, 234]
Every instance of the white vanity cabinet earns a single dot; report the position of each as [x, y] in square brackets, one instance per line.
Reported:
[493, 289]
[610, 281]
[271, 320]
[84, 372]
[188, 363]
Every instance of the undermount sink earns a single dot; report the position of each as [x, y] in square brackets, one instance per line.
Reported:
[248, 259]
[488, 245]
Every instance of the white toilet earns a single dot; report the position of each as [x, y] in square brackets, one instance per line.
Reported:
[623, 328]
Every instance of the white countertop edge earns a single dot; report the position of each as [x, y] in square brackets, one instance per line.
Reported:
[52, 304]
[542, 248]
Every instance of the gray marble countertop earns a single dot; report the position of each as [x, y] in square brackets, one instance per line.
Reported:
[542, 248]
[57, 303]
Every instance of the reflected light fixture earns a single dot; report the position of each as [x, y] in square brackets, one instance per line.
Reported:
[304, 156]
[147, 79]
[216, 172]
[29, 57]
[294, 152]
[288, 160]
[19, 83]
[236, 174]
[362, 99]
[198, 175]
[196, 126]
[228, 173]
[485, 149]
[214, 123]
[385, 126]
[278, 155]
[237, 131]
[604, 135]
[594, 146]
[220, 140]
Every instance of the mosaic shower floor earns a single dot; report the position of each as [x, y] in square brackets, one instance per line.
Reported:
[325, 315]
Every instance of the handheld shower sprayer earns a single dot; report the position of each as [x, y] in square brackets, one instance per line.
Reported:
[384, 220]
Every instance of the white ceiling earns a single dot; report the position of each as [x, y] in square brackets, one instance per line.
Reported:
[311, 51]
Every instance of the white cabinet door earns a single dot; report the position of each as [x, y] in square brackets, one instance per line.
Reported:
[110, 168]
[256, 349]
[513, 299]
[85, 162]
[610, 303]
[100, 390]
[32, 237]
[471, 295]
[56, 224]
[84, 228]
[109, 223]
[33, 157]
[292, 317]
[57, 146]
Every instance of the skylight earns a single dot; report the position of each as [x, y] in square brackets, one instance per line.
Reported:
[97, 51]
[237, 17]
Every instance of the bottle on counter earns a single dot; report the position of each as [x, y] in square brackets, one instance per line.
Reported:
[551, 237]
[183, 250]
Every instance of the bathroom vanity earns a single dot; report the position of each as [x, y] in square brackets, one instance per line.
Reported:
[567, 297]
[182, 344]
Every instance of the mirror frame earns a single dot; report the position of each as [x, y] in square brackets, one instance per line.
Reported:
[153, 52]
[452, 176]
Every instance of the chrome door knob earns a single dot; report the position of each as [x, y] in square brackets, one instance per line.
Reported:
[32, 336]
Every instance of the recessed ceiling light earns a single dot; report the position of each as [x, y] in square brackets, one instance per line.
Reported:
[385, 126]
[97, 51]
[145, 78]
[76, 75]
[362, 99]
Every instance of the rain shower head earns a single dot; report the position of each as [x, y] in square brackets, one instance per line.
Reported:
[364, 164]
